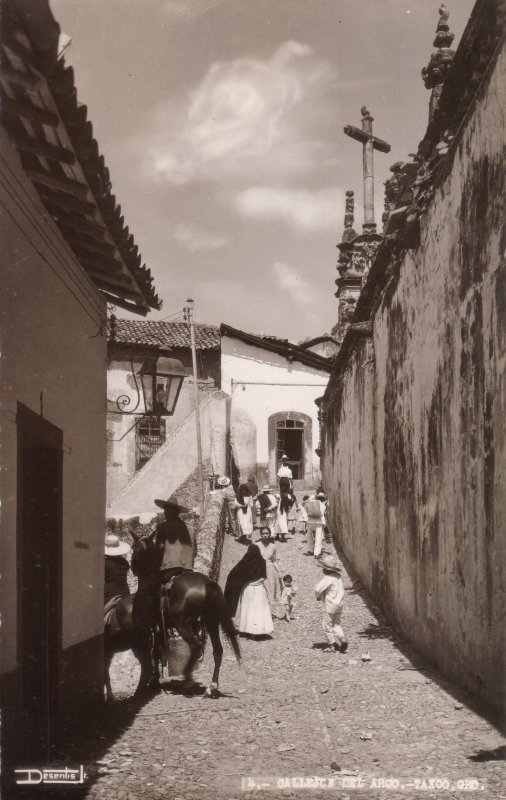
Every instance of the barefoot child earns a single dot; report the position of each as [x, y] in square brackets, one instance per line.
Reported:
[330, 591]
[287, 597]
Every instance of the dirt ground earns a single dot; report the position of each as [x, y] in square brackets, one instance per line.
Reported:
[375, 721]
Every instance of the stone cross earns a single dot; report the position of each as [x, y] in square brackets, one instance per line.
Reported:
[370, 143]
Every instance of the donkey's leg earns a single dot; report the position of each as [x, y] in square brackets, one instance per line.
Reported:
[213, 629]
[185, 630]
[107, 678]
[142, 651]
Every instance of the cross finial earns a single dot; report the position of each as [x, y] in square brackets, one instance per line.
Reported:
[370, 143]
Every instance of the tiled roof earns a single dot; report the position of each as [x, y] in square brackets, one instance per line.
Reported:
[292, 352]
[163, 335]
[54, 139]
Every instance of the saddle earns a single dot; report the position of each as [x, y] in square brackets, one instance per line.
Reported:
[169, 577]
[117, 617]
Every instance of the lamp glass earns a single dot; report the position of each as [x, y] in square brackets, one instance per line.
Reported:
[162, 379]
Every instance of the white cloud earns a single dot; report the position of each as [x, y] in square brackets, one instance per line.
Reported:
[195, 239]
[246, 117]
[186, 9]
[307, 210]
[296, 289]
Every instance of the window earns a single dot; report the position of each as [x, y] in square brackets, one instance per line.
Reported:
[149, 437]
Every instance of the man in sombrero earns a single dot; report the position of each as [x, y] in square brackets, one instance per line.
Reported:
[175, 536]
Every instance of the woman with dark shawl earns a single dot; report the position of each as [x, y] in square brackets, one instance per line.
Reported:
[246, 594]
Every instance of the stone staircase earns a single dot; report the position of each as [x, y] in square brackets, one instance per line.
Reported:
[176, 460]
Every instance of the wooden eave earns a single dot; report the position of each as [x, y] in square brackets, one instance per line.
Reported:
[60, 156]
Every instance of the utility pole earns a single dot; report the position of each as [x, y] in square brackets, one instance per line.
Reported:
[200, 480]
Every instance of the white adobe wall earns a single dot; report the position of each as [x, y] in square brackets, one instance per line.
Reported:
[51, 318]
[272, 385]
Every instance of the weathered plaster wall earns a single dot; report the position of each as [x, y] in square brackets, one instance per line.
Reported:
[121, 466]
[271, 385]
[171, 465]
[52, 353]
[414, 444]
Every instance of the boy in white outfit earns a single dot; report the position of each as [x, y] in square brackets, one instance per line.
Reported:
[330, 591]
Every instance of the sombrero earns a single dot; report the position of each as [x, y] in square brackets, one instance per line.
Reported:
[329, 562]
[223, 481]
[114, 546]
[172, 502]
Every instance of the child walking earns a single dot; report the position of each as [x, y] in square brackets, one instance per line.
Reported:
[303, 516]
[287, 597]
[330, 591]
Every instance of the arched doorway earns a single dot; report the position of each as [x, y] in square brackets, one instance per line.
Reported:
[291, 434]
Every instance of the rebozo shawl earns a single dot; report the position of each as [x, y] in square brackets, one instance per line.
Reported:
[251, 567]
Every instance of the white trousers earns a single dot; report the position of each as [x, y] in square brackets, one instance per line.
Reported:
[331, 624]
[315, 537]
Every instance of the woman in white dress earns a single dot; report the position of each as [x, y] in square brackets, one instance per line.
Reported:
[270, 554]
[284, 505]
[246, 594]
[244, 515]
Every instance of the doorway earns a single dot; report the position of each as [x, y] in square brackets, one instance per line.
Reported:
[290, 442]
[39, 575]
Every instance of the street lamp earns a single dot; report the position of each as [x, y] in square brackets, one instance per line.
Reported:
[161, 381]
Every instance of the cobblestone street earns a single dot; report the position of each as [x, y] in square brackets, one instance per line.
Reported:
[291, 710]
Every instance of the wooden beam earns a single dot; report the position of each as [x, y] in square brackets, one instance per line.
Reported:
[60, 184]
[99, 265]
[114, 287]
[95, 248]
[24, 79]
[59, 200]
[15, 46]
[136, 309]
[20, 108]
[79, 225]
[40, 148]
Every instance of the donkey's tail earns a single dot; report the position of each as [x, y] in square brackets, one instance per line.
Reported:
[222, 615]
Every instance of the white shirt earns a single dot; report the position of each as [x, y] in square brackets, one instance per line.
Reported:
[323, 508]
[330, 590]
[285, 472]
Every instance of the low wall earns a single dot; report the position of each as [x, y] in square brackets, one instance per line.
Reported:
[210, 537]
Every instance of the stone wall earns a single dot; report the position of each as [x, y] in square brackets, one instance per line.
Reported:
[210, 537]
[414, 453]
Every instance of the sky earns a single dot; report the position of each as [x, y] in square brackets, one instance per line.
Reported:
[221, 123]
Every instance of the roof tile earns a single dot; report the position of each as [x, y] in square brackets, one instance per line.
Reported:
[163, 334]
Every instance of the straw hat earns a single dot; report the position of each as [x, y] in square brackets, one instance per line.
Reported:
[172, 502]
[114, 546]
[223, 481]
[266, 488]
[284, 457]
[329, 562]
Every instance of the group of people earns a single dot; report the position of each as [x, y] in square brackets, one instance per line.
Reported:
[277, 510]
[256, 585]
